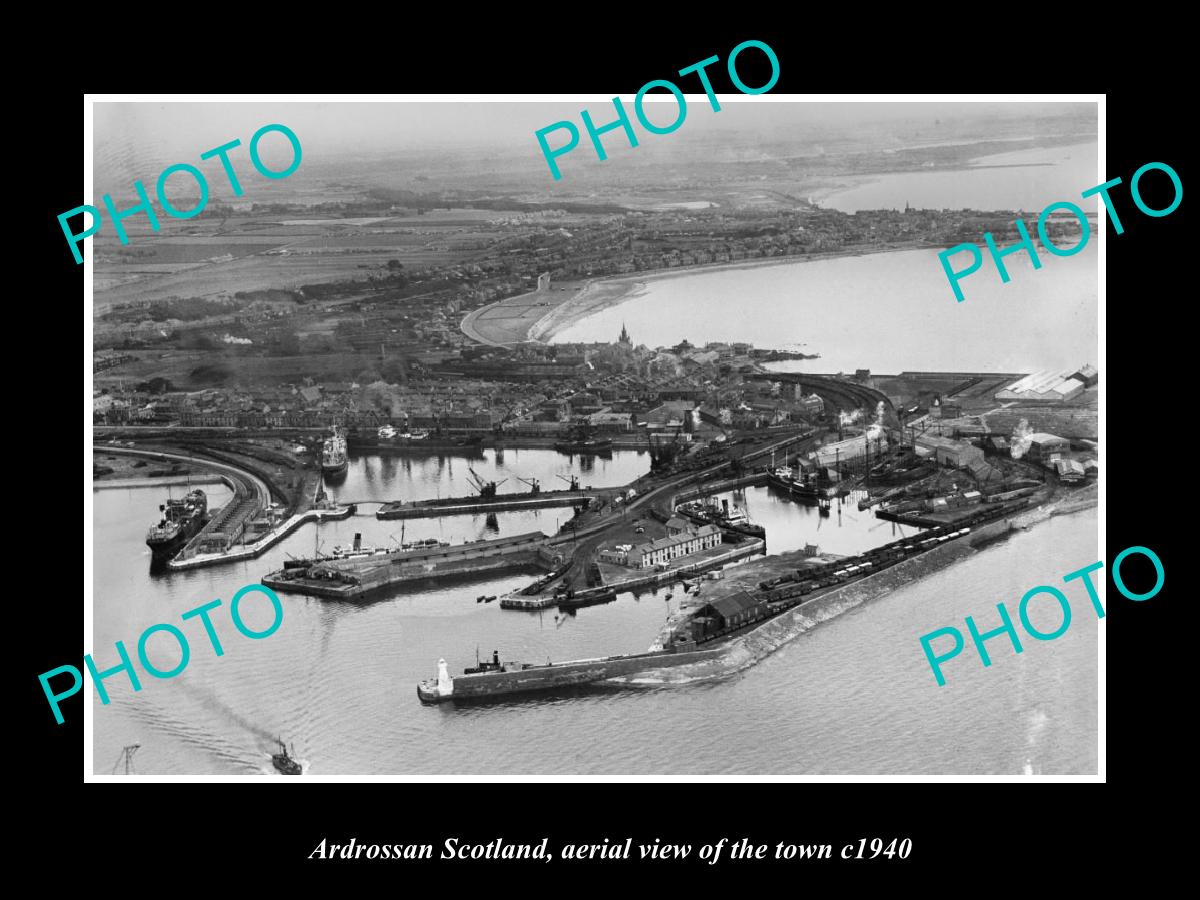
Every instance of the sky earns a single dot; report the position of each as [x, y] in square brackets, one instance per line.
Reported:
[181, 131]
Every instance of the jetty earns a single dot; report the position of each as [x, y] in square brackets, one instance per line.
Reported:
[457, 506]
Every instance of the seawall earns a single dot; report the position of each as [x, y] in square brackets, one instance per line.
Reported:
[744, 651]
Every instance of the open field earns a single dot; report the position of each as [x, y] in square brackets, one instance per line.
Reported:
[215, 256]
[196, 370]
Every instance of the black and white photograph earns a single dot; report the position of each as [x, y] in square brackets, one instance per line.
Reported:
[680, 435]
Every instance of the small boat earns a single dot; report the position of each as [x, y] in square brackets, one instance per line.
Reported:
[480, 598]
[493, 665]
[489, 599]
[284, 762]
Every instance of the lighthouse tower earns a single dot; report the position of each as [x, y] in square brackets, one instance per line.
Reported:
[445, 684]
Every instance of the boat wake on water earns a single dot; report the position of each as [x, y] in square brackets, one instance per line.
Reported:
[173, 726]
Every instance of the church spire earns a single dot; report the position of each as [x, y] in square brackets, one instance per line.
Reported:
[624, 339]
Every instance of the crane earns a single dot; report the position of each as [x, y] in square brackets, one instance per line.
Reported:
[126, 757]
[534, 485]
[663, 455]
[485, 488]
[573, 481]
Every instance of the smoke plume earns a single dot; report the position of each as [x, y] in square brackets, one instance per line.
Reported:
[1021, 439]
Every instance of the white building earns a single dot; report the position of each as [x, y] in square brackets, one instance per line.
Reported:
[1049, 384]
[667, 549]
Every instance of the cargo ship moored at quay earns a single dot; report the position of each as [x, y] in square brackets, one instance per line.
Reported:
[181, 520]
[334, 460]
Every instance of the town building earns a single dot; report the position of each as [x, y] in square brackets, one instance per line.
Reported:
[852, 448]
[947, 451]
[724, 612]
[1045, 447]
[674, 546]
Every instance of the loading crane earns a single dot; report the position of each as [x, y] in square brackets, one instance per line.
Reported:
[485, 488]
[572, 482]
[535, 486]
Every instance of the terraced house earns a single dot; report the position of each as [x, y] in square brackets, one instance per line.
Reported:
[664, 550]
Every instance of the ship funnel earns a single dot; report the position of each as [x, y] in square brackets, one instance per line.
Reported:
[358, 540]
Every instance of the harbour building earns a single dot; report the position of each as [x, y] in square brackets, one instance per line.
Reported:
[681, 542]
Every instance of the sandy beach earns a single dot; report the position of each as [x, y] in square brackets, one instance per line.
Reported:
[539, 315]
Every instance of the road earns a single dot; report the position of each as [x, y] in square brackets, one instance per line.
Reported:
[593, 535]
[261, 491]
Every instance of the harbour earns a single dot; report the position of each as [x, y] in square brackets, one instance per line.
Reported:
[668, 477]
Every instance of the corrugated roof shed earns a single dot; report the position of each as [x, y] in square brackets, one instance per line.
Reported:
[733, 604]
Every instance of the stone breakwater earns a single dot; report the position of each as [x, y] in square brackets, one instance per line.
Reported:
[741, 652]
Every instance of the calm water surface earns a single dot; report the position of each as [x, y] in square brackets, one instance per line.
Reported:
[1021, 180]
[887, 312]
[895, 311]
[851, 695]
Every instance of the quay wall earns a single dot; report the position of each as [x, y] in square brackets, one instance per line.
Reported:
[570, 673]
[745, 650]
[736, 653]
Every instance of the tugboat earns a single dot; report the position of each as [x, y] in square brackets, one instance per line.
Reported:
[333, 453]
[492, 665]
[285, 763]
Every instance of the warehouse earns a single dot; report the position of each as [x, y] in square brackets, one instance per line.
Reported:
[724, 613]
[947, 451]
[1045, 447]
[849, 449]
[1047, 385]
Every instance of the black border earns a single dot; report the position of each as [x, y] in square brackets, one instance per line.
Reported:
[962, 826]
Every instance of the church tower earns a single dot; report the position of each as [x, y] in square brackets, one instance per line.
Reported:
[624, 338]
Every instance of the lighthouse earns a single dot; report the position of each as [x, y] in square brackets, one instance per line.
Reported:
[445, 684]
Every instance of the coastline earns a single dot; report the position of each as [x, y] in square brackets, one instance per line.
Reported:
[746, 650]
[599, 294]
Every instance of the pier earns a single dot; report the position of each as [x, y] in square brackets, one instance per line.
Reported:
[458, 506]
[696, 564]
[262, 545]
[216, 542]
[353, 578]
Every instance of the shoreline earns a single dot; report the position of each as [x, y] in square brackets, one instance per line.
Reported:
[747, 650]
[608, 291]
